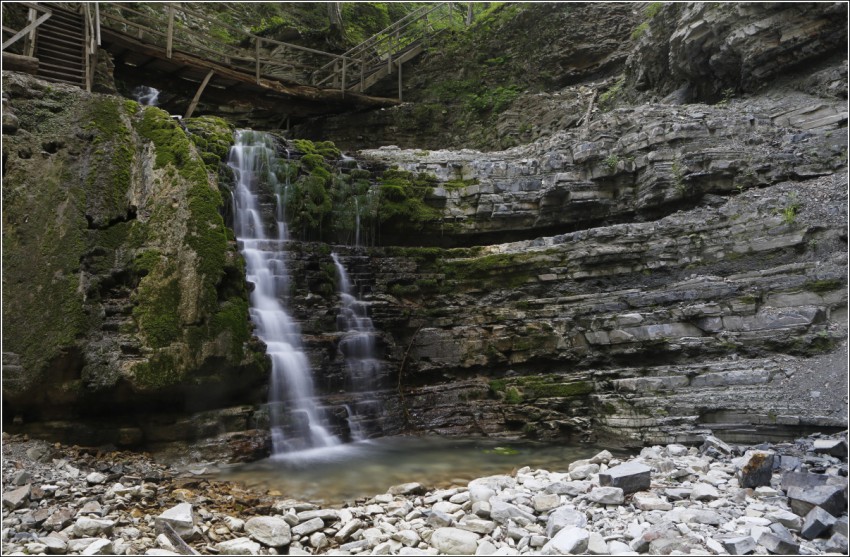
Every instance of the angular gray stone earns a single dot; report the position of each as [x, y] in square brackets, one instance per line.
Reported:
[543, 502]
[809, 479]
[837, 544]
[573, 489]
[630, 477]
[86, 527]
[438, 519]
[755, 468]
[60, 518]
[238, 546]
[454, 541]
[269, 530]
[569, 541]
[501, 512]
[477, 525]
[307, 527]
[829, 497]
[816, 522]
[779, 545]
[739, 545]
[712, 443]
[410, 488]
[606, 496]
[99, 547]
[704, 492]
[833, 447]
[602, 457]
[180, 518]
[648, 501]
[348, 529]
[785, 518]
[54, 545]
[17, 497]
[840, 526]
[562, 517]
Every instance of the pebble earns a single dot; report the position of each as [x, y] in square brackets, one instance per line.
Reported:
[691, 501]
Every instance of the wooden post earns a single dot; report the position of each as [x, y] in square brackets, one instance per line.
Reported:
[362, 69]
[198, 94]
[257, 56]
[97, 21]
[29, 47]
[344, 66]
[399, 80]
[170, 39]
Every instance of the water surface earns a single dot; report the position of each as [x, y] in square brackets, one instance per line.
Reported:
[333, 475]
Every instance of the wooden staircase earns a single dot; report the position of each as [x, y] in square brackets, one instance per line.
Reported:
[379, 56]
[60, 48]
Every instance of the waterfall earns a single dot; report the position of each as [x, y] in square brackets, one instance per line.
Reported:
[295, 420]
[357, 345]
[146, 96]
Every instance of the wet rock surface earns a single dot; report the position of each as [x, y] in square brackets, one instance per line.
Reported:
[694, 504]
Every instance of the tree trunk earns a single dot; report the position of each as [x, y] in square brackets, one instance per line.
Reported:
[469, 14]
[337, 31]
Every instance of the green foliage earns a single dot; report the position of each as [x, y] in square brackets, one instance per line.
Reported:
[495, 100]
[652, 9]
[678, 171]
[607, 99]
[640, 30]
[726, 96]
[157, 309]
[611, 162]
[213, 137]
[790, 210]
[402, 204]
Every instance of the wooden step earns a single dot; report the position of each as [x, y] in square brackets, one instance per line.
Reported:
[45, 66]
[59, 41]
[75, 29]
[60, 57]
[76, 79]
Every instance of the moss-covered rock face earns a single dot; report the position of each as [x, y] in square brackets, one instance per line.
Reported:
[121, 287]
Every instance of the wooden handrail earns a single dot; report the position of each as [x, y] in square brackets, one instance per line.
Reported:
[46, 14]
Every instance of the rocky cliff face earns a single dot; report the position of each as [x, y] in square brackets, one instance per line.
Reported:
[662, 252]
[124, 295]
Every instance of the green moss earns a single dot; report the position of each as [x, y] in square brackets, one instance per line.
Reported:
[459, 184]
[402, 206]
[824, 285]
[232, 318]
[325, 149]
[608, 98]
[157, 310]
[213, 138]
[160, 371]
[513, 396]
[206, 235]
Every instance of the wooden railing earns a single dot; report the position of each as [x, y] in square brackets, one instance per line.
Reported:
[177, 27]
[29, 30]
[387, 48]
[91, 22]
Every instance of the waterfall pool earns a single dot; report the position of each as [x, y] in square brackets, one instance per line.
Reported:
[333, 475]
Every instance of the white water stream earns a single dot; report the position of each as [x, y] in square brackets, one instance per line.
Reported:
[296, 422]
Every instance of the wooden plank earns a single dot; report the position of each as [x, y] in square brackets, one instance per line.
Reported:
[198, 94]
[170, 38]
[26, 30]
[257, 57]
[18, 63]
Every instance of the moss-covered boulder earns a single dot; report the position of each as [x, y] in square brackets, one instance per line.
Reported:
[123, 289]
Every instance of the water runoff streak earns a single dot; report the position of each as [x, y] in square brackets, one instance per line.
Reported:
[296, 423]
[357, 344]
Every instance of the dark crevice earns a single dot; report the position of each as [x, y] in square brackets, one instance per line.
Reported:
[130, 215]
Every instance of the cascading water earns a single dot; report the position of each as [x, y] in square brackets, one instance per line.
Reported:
[357, 344]
[296, 423]
[146, 96]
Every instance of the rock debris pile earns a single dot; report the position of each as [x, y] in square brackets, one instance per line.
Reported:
[716, 499]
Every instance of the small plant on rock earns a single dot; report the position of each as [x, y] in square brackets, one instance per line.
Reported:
[612, 161]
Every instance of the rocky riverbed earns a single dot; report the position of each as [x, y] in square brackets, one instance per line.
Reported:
[713, 499]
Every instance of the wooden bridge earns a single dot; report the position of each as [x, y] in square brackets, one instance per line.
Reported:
[172, 46]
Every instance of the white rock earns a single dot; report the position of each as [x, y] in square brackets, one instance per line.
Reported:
[602, 457]
[543, 502]
[54, 545]
[606, 495]
[308, 527]
[234, 524]
[179, 518]
[95, 478]
[582, 472]
[238, 546]
[99, 547]
[570, 540]
[158, 551]
[454, 541]
[408, 538]
[90, 527]
[319, 540]
[486, 548]
[563, 517]
[596, 544]
[648, 501]
[269, 530]
[704, 492]
[677, 450]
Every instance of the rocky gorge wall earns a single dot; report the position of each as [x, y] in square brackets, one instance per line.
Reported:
[124, 295]
[648, 268]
